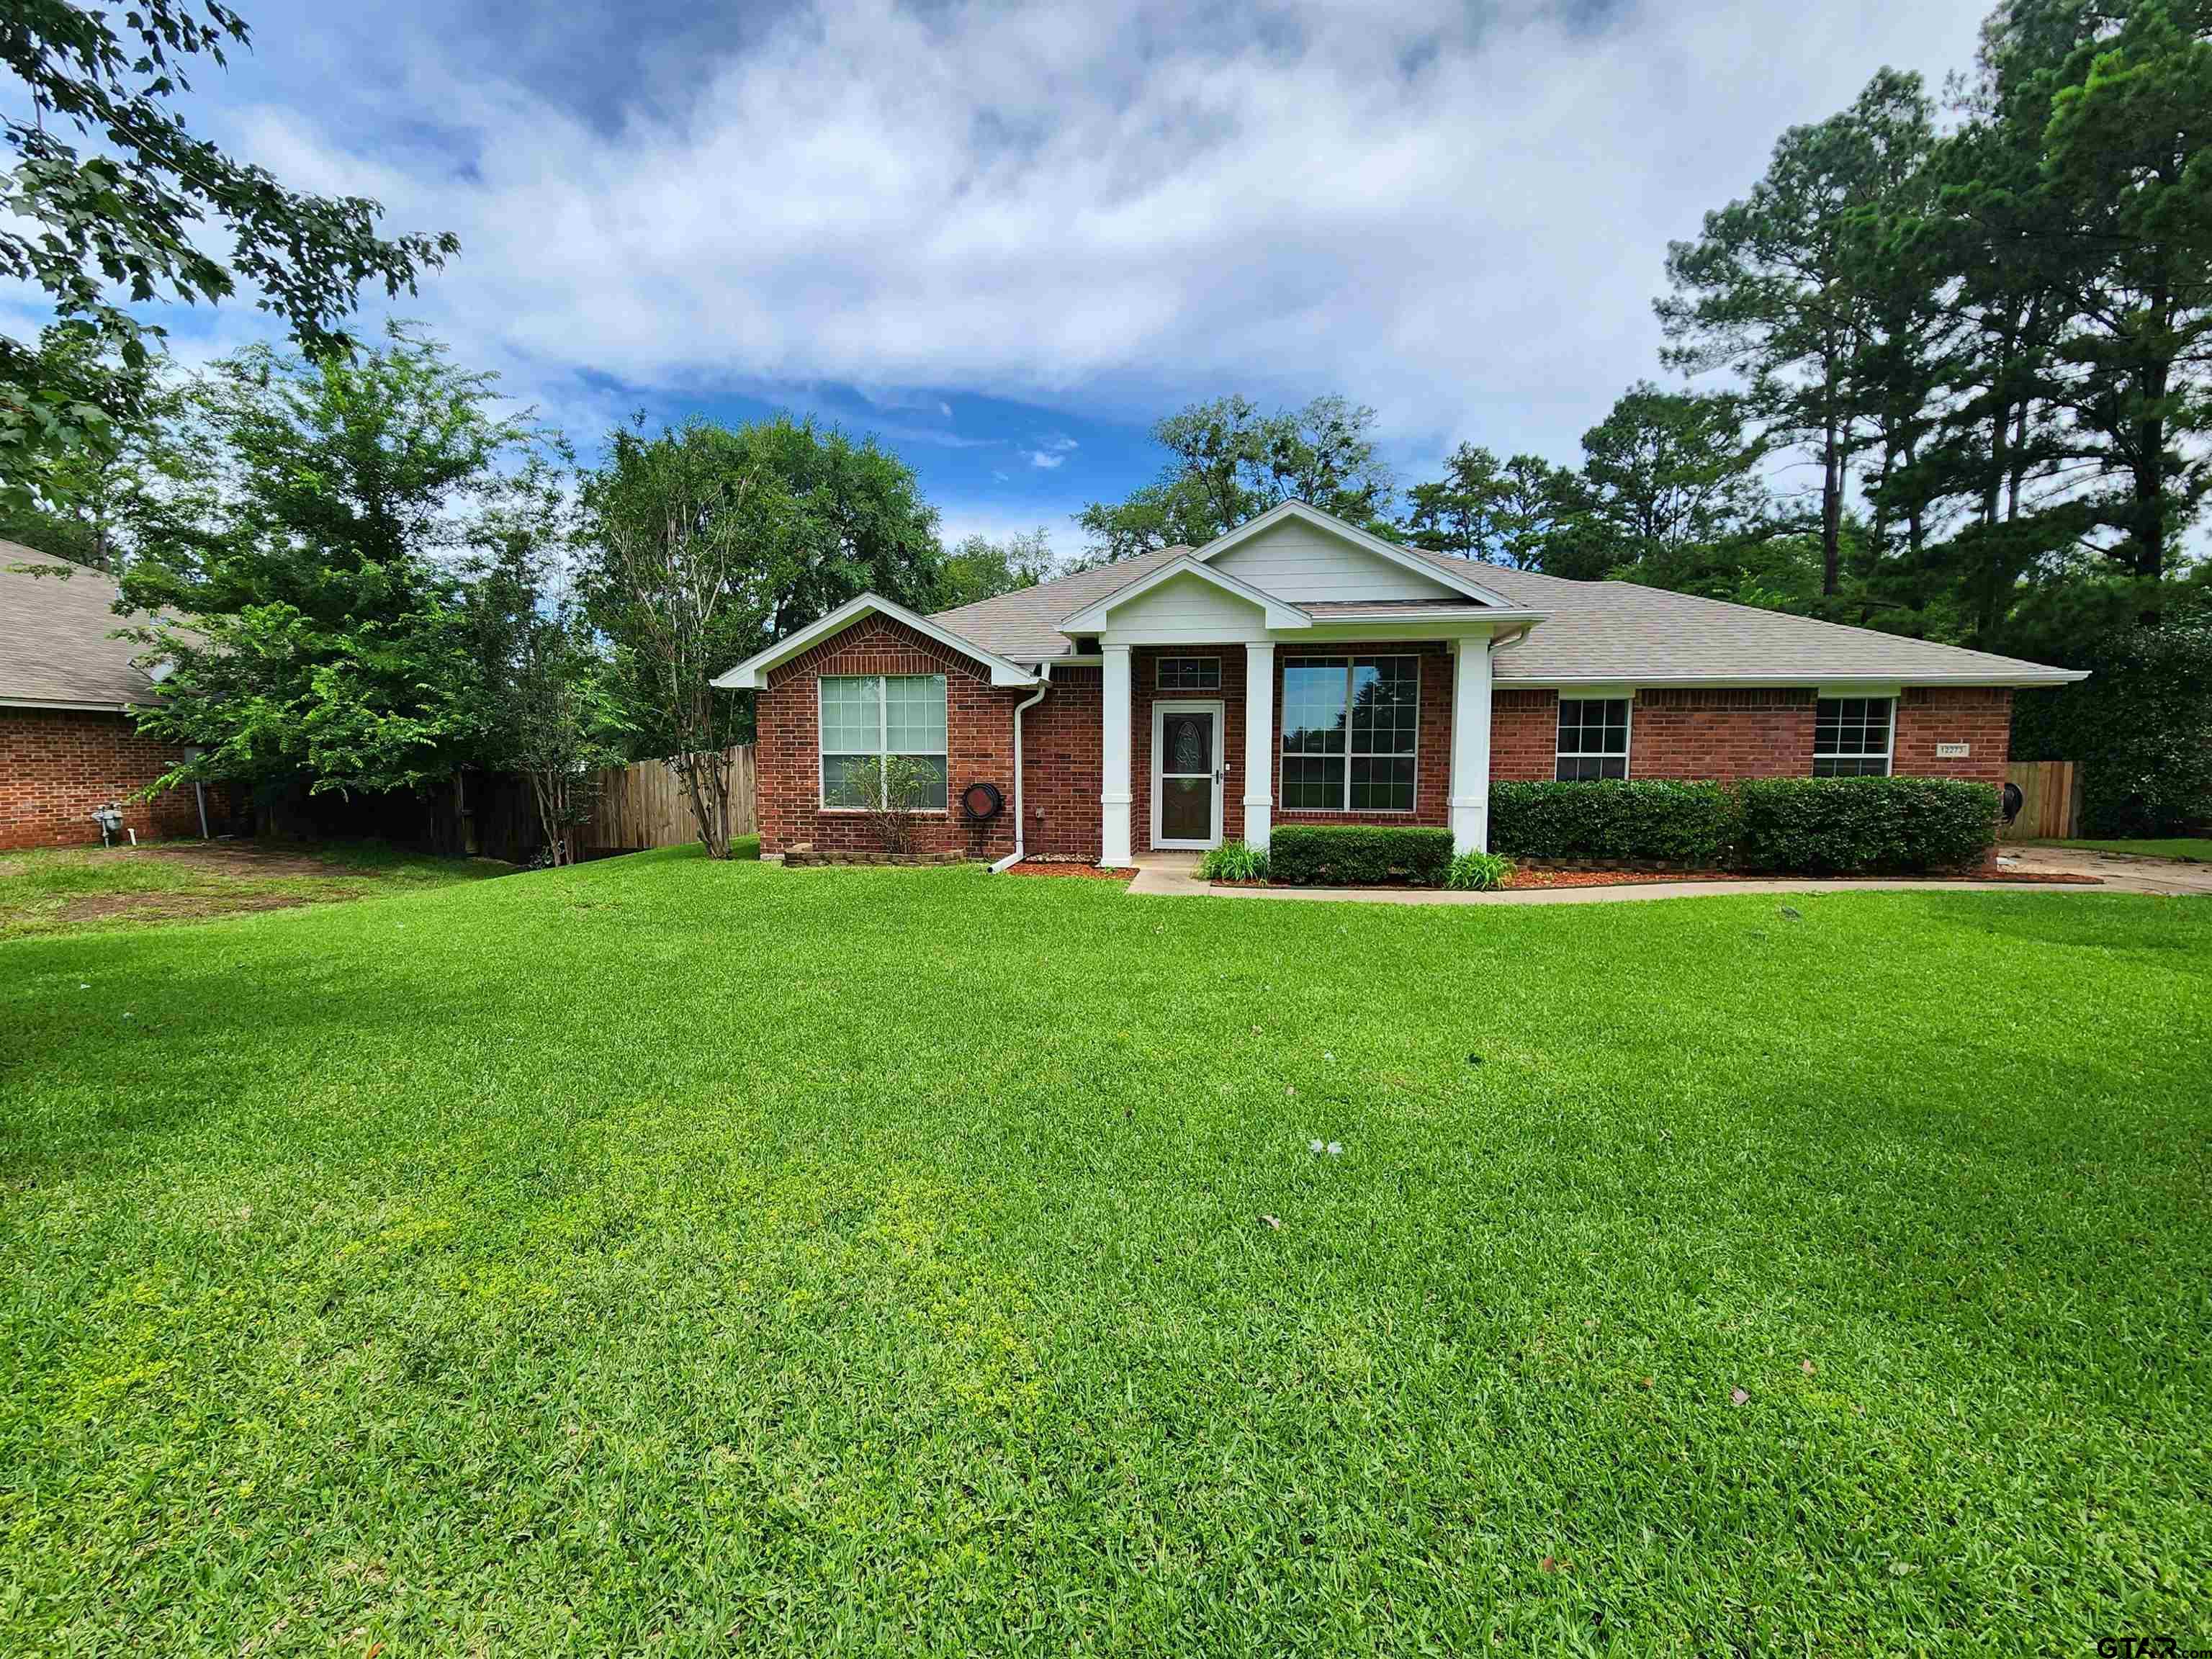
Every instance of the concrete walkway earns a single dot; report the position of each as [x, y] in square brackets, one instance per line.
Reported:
[1173, 875]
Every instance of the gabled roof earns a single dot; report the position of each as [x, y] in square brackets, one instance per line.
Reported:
[55, 649]
[1458, 575]
[1610, 633]
[751, 673]
[1280, 613]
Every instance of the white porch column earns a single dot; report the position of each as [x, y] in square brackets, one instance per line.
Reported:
[1470, 749]
[1114, 793]
[1258, 742]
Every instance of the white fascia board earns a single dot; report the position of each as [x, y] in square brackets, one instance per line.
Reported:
[1358, 537]
[73, 708]
[1860, 686]
[1091, 619]
[752, 673]
[1470, 625]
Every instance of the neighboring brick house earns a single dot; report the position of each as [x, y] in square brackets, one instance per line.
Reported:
[1300, 671]
[68, 743]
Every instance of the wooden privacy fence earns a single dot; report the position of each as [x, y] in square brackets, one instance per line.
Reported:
[2052, 807]
[642, 804]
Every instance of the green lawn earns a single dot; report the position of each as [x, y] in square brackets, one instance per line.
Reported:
[679, 1258]
[2196, 848]
[74, 889]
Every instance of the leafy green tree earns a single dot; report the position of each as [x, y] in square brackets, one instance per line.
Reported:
[111, 197]
[1774, 287]
[1229, 463]
[1666, 473]
[693, 551]
[1524, 511]
[550, 708]
[2127, 159]
[308, 624]
[980, 568]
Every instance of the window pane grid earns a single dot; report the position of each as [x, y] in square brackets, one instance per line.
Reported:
[1190, 673]
[1851, 736]
[1350, 726]
[1593, 738]
[866, 717]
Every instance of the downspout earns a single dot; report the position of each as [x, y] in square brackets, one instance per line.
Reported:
[1044, 685]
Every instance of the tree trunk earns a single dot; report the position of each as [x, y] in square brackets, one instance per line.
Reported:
[1832, 512]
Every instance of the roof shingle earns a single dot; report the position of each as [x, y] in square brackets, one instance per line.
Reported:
[54, 643]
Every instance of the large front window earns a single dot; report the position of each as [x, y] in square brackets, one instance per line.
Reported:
[1350, 724]
[1851, 736]
[868, 717]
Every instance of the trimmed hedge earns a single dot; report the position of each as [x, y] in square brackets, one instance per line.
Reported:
[1347, 856]
[1798, 826]
[1644, 821]
[1860, 826]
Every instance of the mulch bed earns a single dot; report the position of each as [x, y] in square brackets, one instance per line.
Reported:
[1093, 872]
[1530, 876]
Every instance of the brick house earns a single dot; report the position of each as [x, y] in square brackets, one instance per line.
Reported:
[68, 743]
[1300, 671]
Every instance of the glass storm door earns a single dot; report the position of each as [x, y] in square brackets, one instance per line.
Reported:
[1187, 759]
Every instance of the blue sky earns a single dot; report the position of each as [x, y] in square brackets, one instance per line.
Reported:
[1003, 239]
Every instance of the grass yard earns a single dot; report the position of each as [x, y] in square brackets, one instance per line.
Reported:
[2195, 848]
[70, 889]
[675, 1258]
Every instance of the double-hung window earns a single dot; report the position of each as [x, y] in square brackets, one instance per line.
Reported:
[1851, 737]
[868, 717]
[1593, 738]
[1350, 727]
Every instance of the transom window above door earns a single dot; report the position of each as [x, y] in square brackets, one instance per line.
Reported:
[1351, 726]
[1593, 738]
[1190, 673]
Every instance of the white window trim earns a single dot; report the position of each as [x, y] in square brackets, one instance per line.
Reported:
[1627, 756]
[1347, 809]
[883, 737]
[1889, 739]
[1160, 673]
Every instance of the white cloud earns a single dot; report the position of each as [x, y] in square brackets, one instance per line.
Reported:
[1116, 207]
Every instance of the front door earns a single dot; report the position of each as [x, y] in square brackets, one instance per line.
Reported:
[1188, 775]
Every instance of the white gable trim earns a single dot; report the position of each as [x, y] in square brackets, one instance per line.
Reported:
[1280, 613]
[752, 673]
[1436, 572]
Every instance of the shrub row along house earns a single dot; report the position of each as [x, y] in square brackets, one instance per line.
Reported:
[1300, 671]
[67, 746]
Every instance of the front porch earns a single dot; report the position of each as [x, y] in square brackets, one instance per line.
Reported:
[1221, 739]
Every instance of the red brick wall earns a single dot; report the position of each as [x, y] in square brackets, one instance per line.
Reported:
[1524, 735]
[979, 738]
[1062, 761]
[57, 765]
[1757, 732]
[1977, 715]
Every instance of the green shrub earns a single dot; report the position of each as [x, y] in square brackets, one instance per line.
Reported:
[1478, 873]
[1344, 856]
[1234, 860]
[1643, 821]
[1857, 826]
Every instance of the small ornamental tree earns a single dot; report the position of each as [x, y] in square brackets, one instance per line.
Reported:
[897, 793]
[551, 711]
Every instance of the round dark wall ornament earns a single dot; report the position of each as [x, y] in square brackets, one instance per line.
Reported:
[982, 801]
